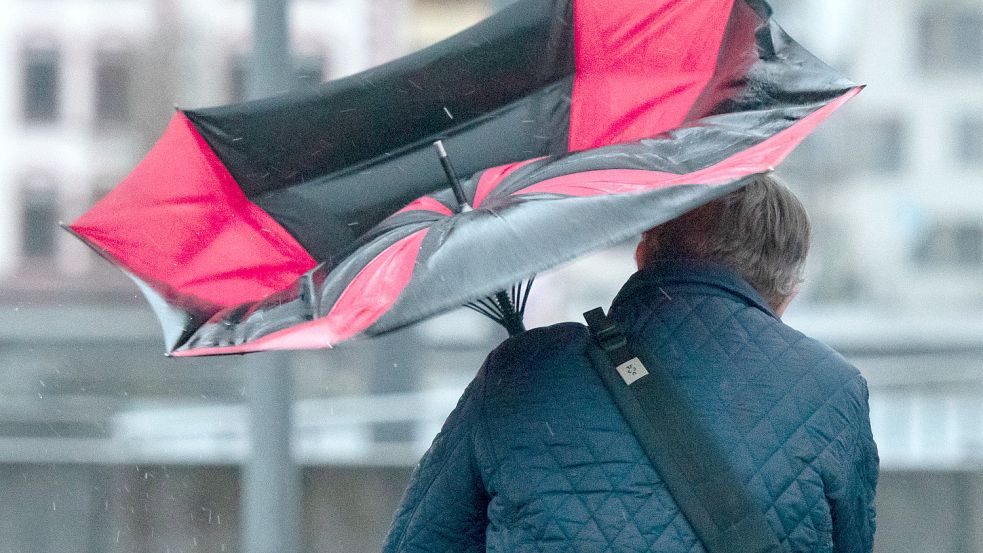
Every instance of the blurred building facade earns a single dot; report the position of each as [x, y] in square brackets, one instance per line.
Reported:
[95, 453]
[897, 280]
[107, 446]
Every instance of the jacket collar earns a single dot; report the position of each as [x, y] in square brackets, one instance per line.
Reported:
[692, 275]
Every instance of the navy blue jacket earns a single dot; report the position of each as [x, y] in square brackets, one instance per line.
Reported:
[536, 456]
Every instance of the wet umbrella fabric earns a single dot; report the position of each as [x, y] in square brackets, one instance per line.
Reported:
[304, 220]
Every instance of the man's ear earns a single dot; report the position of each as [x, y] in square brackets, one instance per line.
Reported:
[781, 307]
[646, 246]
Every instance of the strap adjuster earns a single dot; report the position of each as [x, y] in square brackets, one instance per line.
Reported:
[606, 332]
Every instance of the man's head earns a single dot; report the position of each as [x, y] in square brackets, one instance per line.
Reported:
[761, 231]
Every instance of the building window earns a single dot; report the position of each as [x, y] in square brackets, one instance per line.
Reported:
[113, 82]
[238, 78]
[39, 219]
[308, 71]
[42, 85]
[882, 143]
[951, 38]
[951, 244]
[969, 140]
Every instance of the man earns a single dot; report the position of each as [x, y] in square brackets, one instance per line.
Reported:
[536, 456]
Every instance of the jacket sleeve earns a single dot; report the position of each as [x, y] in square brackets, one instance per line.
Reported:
[445, 506]
[852, 499]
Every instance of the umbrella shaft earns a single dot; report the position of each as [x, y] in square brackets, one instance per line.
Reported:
[455, 183]
[511, 319]
[462, 200]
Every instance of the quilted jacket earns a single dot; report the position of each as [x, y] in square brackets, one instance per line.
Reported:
[536, 457]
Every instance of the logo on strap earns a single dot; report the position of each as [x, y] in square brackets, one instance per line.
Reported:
[631, 370]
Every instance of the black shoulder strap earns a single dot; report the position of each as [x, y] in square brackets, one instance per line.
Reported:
[715, 502]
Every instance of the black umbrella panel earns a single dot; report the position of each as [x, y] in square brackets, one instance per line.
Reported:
[304, 220]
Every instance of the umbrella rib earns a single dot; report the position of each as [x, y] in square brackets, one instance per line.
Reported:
[490, 305]
[525, 296]
[475, 308]
[485, 308]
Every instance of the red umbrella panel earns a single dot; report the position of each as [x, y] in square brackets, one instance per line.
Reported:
[304, 220]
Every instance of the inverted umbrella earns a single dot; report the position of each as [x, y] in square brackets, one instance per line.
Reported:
[304, 220]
